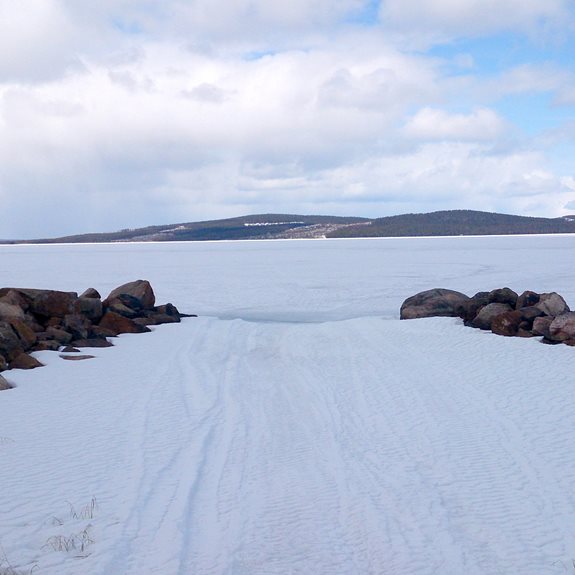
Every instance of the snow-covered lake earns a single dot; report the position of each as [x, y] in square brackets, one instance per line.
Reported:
[297, 426]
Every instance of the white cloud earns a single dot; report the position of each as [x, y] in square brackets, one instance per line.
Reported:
[438, 19]
[433, 124]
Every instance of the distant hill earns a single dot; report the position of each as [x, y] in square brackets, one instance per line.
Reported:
[291, 226]
[457, 223]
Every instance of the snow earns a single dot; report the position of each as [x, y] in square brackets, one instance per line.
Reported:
[297, 426]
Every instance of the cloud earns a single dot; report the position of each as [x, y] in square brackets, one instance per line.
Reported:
[445, 19]
[432, 124]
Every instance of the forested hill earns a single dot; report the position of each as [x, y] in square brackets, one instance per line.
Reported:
[457, 223]
[291, 226]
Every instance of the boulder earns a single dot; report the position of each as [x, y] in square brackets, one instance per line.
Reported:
[61, 336]
[541, 326]
[25, 334]
[90, 307]
[47, 345]
[552, 304]
[139, 289]
[91, 293]
[506, 323]
[14, 297]
[71, 349]
[474, 305]
[436, 302]
[3, 363]
[10, 344]
[562, 328]
[503, 295]
[4, 385]
[487, 314]
[77, 325]
[10, 311]
[119, 324]
[25, 361]
[51, 303]
[118, 307]
[527, 299]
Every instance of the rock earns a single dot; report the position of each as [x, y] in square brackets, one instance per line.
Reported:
[92, 343]
[98, 332]
[139, 289]
[47, 345]
[4, 385]
[3, 363]
[77, 357]
[503, 295]
[487, 314]
[77, 325]
[59, 335]
[70, 349]
[541, 326]
[91, 293]
[506, 323]
[552, 304]
[120, 324]
[527, 299]
[25, 334]
[9, 311]
[521, 332]
[562, 328]
[118, 307]
[51, 303]
[436, 302]
[128, 301]
[10, 344]
[168, 309]
[89, 307]
[474, 305]
[14, 297]
[25, 361]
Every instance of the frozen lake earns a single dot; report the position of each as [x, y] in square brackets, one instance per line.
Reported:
[297, 426]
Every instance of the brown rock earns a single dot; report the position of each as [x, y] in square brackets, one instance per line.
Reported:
[118, 307]
[3, 363]
[51, 303]
[98, 332]
[91, 293]
[139, 289]
[14, 297]
[506, 323]
[436, 302]
[120, 324]
[78, 325]
[503, 295]
[475, 304]
[9, 311]
[541, 326]
[25, 334]
[47, 345]
[59, 335]
[521, 332]
[10, 343]
[25, 361]
[4, 385]
[527, 299]
[487, 314]
[71, 349]
[562, 327]
[552, 304]
[90, 307]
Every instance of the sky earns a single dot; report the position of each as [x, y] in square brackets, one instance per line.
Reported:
[125, 113]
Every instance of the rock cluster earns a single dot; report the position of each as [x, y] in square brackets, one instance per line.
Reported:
[38, 320]
[501, 311]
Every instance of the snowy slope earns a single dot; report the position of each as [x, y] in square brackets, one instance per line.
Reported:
[298, 427]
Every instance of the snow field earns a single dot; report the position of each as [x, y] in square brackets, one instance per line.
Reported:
[326, 444]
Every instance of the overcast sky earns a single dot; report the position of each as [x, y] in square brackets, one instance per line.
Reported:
[124, 113]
